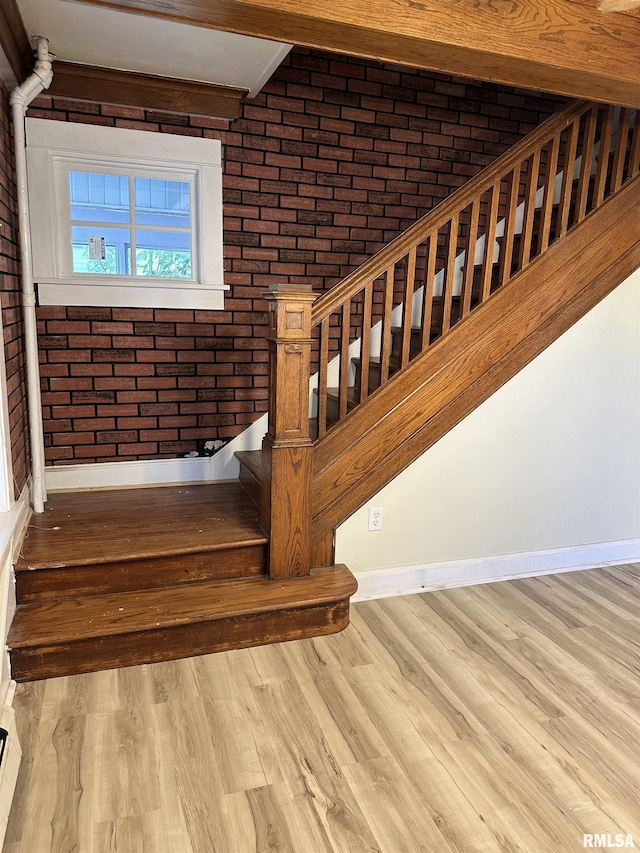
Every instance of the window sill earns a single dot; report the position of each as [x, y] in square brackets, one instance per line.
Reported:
[188, 296]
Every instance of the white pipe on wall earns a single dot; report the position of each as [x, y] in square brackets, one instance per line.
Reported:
[20, 99]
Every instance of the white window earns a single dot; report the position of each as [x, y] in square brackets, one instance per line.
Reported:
[124, 217]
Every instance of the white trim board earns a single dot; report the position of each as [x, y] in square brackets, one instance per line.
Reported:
[408, 580]
[199, 469]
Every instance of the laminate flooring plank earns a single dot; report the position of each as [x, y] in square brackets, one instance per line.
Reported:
[271, 662]
[170, 680]
[311, 769]
[393, 807]
[612, 650]
[611, 772]
[501, 718]
[523, 677]
[28, 703]
[611, 601]
[450, 810]
[197, 777]
[445, 717]
[270, 827]
[335, 706]
[479, 684]
[581, 659]
[487, 774]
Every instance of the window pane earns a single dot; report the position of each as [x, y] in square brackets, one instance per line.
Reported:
[99, 198]
[165, 203]
[117, 259]
[163, 253]
[82, 262]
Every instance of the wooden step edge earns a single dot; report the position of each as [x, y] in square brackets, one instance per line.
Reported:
[179, 641]
[334, 393]
[73, 620]
[251, 461]
[23, 564]
[110, 578]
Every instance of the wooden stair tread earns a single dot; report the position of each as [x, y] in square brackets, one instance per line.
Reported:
[73, 620]
[89, 528]
[353, 395]
[252, 461]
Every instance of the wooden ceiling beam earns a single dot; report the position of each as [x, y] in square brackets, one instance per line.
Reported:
[558, 46]
[128, 88]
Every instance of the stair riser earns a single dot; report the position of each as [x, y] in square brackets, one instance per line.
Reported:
[251, 486]
[181, 641]
[129, 576]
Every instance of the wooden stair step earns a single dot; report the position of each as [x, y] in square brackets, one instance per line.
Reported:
[251, 473]
[125, 629]
[88, 543]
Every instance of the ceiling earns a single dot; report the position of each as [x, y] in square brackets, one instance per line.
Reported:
[91, 35]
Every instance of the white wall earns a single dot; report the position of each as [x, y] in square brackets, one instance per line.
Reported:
[551, 461]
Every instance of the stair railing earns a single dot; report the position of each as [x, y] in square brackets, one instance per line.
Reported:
[453, 259]
[574, 160]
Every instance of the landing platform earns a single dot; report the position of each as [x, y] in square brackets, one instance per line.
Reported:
[89, 528]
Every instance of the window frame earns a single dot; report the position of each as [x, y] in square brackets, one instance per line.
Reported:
[56, 148]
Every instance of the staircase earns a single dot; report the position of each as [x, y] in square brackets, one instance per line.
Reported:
[117, 578]
[401, 351]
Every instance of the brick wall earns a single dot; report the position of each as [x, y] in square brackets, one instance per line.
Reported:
[331, 161]
[10, 295]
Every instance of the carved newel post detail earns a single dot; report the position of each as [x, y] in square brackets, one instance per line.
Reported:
[287, 449]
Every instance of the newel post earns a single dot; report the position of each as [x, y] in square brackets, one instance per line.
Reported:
[287, 448]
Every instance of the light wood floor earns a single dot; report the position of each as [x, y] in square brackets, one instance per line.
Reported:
[493, 718]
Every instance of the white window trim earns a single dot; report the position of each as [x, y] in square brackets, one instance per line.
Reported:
[54, 148]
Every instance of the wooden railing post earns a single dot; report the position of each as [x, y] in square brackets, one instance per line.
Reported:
[287, 449]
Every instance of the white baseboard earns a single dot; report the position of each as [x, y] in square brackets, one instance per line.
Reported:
[113, 475]
[10, 765]
[13, 525]
[406, 580]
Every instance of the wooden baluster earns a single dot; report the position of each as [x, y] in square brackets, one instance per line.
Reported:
[449, 273]
[621, 150]
[427, 299]
[322, 377]
[529, 208]
[567, 178]
[385, 349]
[366, 342]
[603, 157]
[506, 249]
[549, 192]
[345, 361]
[489, 241]
[287, 449]
[407, 312]
[586, 164]
[634, 156]
[469, 261]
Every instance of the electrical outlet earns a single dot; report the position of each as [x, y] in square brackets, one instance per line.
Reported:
[375, 517]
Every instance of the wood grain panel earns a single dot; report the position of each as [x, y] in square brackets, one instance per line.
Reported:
[101, 632]
[545, 46]
[128, 575]
[86, 529]
[129, 88]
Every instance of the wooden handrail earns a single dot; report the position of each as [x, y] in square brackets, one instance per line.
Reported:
[456, 256]
[377, 264]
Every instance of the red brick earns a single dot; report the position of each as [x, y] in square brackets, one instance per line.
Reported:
[333, 158]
